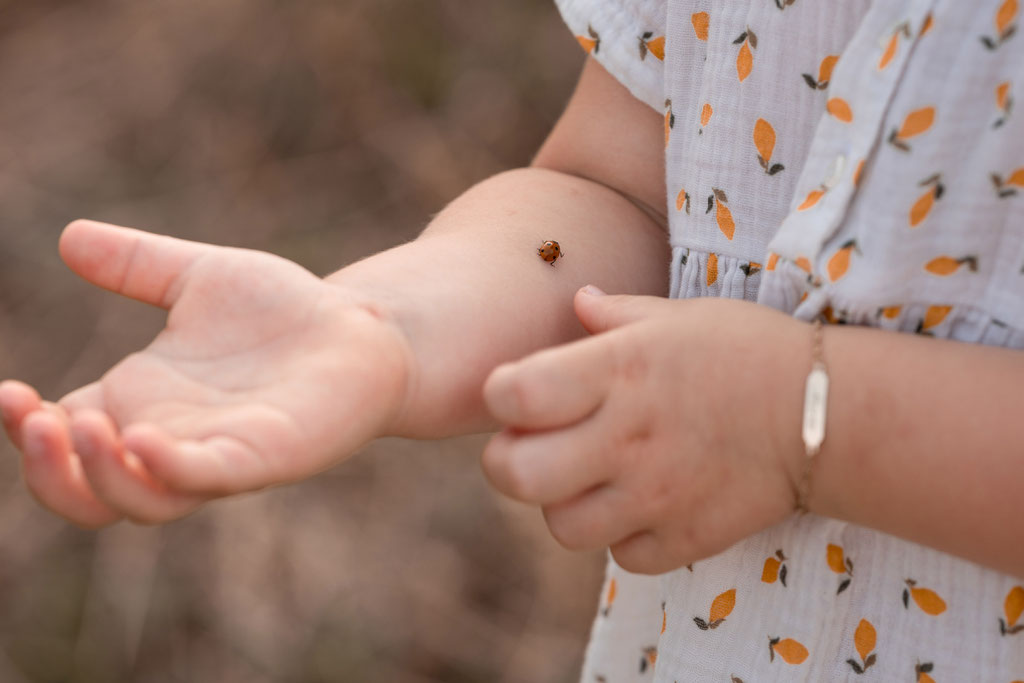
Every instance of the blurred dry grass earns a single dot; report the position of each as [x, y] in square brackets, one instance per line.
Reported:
[323, 131]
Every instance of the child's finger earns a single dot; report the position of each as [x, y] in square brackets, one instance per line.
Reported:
[600, 312]
[17, 401]
[53, 473]
[119, 478]
[596, 519]
[217, 465]
[89, 396]
[643, 553]
[551, 388]
[547, 467]
[133, 263]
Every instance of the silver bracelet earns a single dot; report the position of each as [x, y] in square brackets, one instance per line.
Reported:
[815, 406]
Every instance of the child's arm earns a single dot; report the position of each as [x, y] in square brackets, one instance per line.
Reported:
[266, 374]
[674, 432]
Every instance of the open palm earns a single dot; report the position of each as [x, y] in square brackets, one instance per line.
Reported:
[263, 374]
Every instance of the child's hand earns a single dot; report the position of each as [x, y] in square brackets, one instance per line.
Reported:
[264, 374]
[671, 434]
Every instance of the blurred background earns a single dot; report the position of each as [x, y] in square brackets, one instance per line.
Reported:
[323, 131]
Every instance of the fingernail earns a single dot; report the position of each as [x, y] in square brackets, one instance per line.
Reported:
[592, 290]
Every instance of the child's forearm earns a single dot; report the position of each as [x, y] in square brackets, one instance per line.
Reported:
[472, 291]
[925, 441]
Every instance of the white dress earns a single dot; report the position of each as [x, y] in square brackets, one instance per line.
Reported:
[861, 162]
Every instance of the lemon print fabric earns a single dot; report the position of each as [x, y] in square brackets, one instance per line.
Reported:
[775, 568]
[719, 201]
[652, 45]
[927, 600]
[591, 42]
[828, 63]
[864, 640]
[840, 109]
[923, 204]
[764, 141]
[721, 607]
[1013, 607]
[916, 123]
[857, 162]
[700, 21]
[787, 650]
[841, 565]
[745, 57]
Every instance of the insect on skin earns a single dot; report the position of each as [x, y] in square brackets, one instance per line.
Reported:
[550, 251]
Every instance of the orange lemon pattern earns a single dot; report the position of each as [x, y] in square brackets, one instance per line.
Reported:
[947, 265]
[915, 123]
[925, 598]
[591, 42]
[712, 277]
[1004, 25]
[775, 568]
[840, 565]
[840, 109]
[840, 261]
[1008, 186]
[764, 141]
[893, 45]
[683, 200]
[1013, 607]
[701, 22]
[705, 116]
[652, 45]
[745, 58]
[1004, 103]
[864, 639]
[890, 312]
[721, 607]
[933, 317]
[922, 672]
[789, 650]
[812, 198]
[923, 205]
[723, 216]
[824, 73]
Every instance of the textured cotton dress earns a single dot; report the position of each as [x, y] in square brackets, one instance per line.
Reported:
[859, 162]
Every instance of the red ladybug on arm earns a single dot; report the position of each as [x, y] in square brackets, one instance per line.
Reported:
[550, 251]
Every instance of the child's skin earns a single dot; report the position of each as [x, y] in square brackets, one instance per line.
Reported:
[670, 433]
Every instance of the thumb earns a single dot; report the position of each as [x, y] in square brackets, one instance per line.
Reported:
[600, 312]
[133, 263]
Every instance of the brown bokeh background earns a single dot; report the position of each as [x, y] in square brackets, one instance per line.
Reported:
[323, 131]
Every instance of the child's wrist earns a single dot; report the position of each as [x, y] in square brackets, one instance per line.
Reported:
[392, 363]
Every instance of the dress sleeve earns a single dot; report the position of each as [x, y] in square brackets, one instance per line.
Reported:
[627, 37]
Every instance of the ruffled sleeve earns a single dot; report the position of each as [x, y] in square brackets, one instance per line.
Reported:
[627, 37]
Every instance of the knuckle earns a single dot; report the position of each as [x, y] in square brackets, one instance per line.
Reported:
[631, 364]
[658, 498]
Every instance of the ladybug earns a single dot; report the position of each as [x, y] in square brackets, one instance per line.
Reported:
[550, 251]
